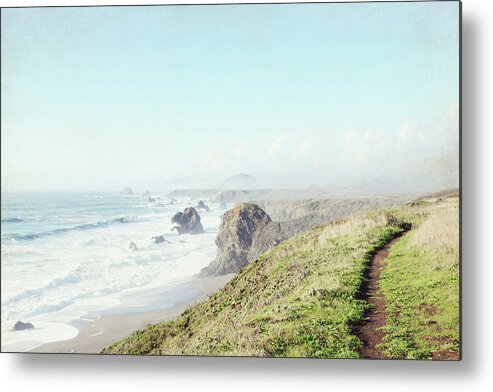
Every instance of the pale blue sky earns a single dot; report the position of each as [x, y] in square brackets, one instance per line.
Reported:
[100, 98]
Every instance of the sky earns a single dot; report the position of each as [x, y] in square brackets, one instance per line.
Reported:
[151, 97]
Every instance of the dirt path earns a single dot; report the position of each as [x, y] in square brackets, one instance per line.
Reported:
[370, 329]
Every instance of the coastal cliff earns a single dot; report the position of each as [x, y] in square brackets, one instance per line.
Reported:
[248, 230]
[303, 297]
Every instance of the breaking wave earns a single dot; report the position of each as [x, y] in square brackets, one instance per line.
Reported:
[12, 220]
[83, 227]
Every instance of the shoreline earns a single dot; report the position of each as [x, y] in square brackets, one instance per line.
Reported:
[98, 333]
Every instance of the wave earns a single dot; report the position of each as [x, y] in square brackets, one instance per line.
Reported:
[12, 220]
[72, 279]
[83, 227]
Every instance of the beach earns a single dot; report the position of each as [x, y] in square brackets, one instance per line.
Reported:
[77, 265]
[99, 332]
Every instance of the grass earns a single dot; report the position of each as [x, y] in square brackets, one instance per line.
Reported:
[297, 300]
[420, 282]
[300, 299]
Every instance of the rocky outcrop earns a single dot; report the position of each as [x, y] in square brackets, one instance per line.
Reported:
[249, 229]
[158, 239]
[202, 206]
[187, 222]
[312, 212]
[132, 246]
[246, 231]
[20, 326]
[146, 194]
[235, 196]
[126, 192]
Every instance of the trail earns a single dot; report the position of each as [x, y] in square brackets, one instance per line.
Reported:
[370, 329]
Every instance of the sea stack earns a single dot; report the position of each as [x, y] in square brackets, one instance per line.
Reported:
[20, 326]
[158, 239]
[202, 206]
[126, 192]
[246, 231]
[187, 222]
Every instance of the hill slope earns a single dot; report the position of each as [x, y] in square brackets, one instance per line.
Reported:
[420, 282]
[300, 298]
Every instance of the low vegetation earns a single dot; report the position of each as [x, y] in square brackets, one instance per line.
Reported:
[420, 282]
[300, 299]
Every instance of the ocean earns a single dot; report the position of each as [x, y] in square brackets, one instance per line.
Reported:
[64, 256]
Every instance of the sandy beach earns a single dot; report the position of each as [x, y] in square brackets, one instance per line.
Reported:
[97, 333]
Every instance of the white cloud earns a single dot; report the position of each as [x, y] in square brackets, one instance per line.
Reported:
[306, 144]
[351, 135]
[277, 144]
[242, 148]
[406, 130]
[372, 135]
[212, 161]
[350, 152]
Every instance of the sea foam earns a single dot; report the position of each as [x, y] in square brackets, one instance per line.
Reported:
[88, 268]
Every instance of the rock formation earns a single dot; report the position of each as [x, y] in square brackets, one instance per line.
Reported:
[20, 326]
[187, 221]
[159, 239]
[202, 206]
[146, 194]
[126, 191]
[246, 231]
[132, 246]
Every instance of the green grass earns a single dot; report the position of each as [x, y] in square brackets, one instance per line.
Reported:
[297, 300]
[300, 299]
[420, 282]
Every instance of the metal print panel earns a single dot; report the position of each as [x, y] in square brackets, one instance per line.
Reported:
[267, 180]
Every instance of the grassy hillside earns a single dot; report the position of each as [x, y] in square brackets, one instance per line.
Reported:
[300, 298]
[421, 284]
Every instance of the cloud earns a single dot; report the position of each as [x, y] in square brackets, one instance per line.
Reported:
[407, 129]
[372, 135]
[351, 152]
[278, 143]
[423, 138]
[212, 161]
[351, 135]
[447, 129]
[242, 148]
[293, 153]
[306, 144]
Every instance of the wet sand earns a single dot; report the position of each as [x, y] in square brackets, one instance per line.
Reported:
[98, 333]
